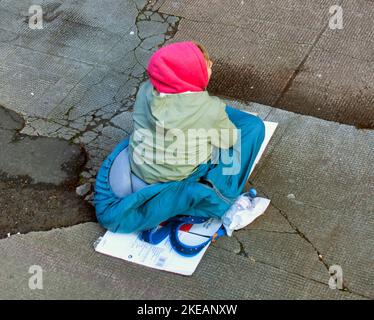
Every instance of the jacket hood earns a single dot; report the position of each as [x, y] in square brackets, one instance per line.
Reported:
[177, 68]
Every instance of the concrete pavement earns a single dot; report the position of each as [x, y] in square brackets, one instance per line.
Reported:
[38, 176]
[284, 54]
[285, 254]
[76, 80]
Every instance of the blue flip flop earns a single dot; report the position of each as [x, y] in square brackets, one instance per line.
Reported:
[171, 229]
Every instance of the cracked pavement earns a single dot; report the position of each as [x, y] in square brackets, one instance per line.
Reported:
[73, 84]
[37, 180]
[79, 76]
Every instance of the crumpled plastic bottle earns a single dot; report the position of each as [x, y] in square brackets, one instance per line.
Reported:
[244, 210]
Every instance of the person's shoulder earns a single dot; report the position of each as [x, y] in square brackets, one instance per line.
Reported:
[145, 92]
[212, 109]
[214, 103]
[146, 86]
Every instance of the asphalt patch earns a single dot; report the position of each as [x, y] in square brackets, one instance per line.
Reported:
[38, 176]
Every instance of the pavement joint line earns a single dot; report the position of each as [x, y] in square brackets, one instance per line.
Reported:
[300, 66]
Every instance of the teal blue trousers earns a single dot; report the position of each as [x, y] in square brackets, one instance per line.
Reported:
[208, 192]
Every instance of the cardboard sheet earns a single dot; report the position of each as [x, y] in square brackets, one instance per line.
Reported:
[162, 256]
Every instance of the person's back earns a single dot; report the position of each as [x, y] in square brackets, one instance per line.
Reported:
[177, 126]
[176, 122]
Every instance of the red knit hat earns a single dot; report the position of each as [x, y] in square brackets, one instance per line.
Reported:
[178, 67]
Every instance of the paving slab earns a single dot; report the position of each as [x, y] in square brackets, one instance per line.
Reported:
[339, 72]
[247, 64]
[30, 156]
[285, 55]
[327, 169]
[285, 254]
[37, 180]
[81, 273]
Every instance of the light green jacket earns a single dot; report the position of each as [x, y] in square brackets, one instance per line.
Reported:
[163, 146]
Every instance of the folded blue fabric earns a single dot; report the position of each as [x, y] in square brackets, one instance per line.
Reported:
[207, 193]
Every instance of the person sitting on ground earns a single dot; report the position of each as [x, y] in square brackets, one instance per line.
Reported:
[192, 153]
